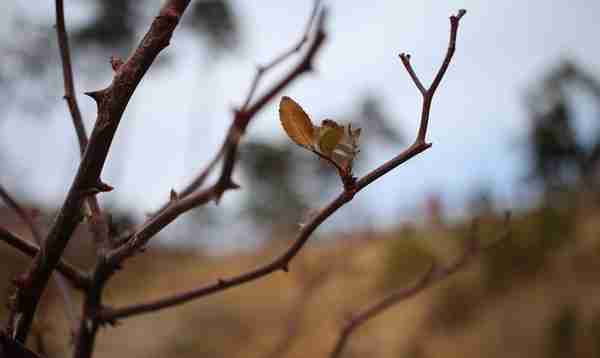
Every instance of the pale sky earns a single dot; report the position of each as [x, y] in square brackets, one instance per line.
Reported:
[179, 114]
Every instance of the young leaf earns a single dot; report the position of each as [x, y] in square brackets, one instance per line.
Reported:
[330, 135]
[296, 123]
[333, 142]
[338, 143]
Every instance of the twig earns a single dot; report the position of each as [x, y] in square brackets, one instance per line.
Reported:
[63, 43]
[63, 288]
[260, 72]
[428, 94]
[263, 69]
[282, 261]
[111, 102]
[98, 224]
[23, 215]
[76, 277]
[379, 307]
[433, 275]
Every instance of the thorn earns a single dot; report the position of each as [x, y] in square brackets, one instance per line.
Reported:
[231, 186]
[95, 95]
[221, 282]
[103, 187]
[218, 195]
[285, 268]
[173, 196]
[116, 62]
[97, 188]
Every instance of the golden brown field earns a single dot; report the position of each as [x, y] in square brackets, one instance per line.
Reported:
[533, 295]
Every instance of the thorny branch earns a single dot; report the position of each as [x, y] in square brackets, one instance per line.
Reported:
[97, 221]
[111, 102]
[37, 236]
[282, 261]
[434, 274]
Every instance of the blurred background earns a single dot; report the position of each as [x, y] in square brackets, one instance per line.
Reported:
[514, 126]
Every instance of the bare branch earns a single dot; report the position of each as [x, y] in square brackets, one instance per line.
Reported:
[37, 236]
[111, 102]
[379, 307]
[279, 263]
[260, 72]
[22, 213]
[76, 277]
[428, 93]
[406, 62]
[98, 224]
[63, 43]
[433, 275]
[263, 69]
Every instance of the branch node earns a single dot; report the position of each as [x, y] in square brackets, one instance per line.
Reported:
[116, 62]
[20, 281]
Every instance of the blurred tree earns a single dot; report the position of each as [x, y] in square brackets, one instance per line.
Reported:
[108, 27]
[274, 191]
[561, 157]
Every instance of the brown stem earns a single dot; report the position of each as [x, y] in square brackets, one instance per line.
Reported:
[373, 310]
[261, 70]
[428, 94]
[61, 283]
[63, 43]
[111, 102]
[432, 276]
[76, 277]
[98, 224]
